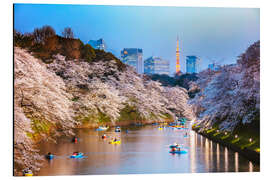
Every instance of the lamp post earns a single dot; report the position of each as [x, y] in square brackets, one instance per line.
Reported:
[226, 133]
[250, 139]
[236, 136]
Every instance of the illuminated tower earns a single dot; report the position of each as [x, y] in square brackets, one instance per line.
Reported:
[177, 57]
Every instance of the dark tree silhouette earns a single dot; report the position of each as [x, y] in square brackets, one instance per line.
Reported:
[68, 33]
[43, 33]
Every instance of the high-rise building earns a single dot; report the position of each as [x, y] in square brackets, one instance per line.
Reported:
[177, 57]
[192, 64]
[133, 57]
[98, 44]
[156, 65]
[214, 67]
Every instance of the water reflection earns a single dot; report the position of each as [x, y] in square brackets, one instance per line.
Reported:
[218, 162]
[206, 155]
[236, 161]
[250, 166]
[226, 160]
[193, 140]
[143, 150]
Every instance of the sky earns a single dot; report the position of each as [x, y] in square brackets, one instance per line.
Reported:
[213, 34]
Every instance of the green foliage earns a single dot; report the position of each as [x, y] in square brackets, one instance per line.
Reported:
[184, 79]
[168, 116]
[44, 43]
[24, 41]
[103, 118]
[93, 118]
[107, 56]
[225, 136]
[129, 113]
[164, 79]
[87, 53]
[86, 119]
[39, 127]
[75, 99]
[210, 130]
[244, 134]
[181, 80]
[235, 140]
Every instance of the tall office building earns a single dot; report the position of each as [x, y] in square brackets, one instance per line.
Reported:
[98, 44]
[156, 65]
[133, 57]
[214, 67]
[177, 57]
[192, 64]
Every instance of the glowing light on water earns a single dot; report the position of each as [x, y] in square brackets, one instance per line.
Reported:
[192, 141]
[250, 166]
[211, 151]
[226, 160]
[236, 161]
[195, 139]
[206, 155]
[218, 158]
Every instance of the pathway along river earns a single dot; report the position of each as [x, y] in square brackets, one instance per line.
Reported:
[143, 150]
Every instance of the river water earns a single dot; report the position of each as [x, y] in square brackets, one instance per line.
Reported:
[144, 150]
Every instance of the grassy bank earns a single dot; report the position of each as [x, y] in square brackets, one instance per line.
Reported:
[242, 140]
[128, 116]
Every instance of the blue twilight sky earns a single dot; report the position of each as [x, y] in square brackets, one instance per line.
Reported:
[213, 34]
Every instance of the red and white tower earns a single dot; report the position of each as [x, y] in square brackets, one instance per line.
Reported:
[177, 57]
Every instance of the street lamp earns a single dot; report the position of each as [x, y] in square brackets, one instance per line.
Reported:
[236, 136]
[217, 130]
[250, 139]
[226, 133]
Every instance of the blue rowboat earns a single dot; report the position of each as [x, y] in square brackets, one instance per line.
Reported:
[79, 155]
[178, 152]
[51, 156]
[174, 146]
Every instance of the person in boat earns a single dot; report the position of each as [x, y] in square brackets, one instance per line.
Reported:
[115, 139]
[27, 171]
[75, 153]
[49, 154]
[173, 149]
[75, 139]
[104, 135]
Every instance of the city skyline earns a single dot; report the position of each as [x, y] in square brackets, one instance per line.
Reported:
[134, 58]
[213, 34]
[192, 64]
[156, 65]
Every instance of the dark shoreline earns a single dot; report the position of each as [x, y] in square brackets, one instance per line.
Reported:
[247, 153]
